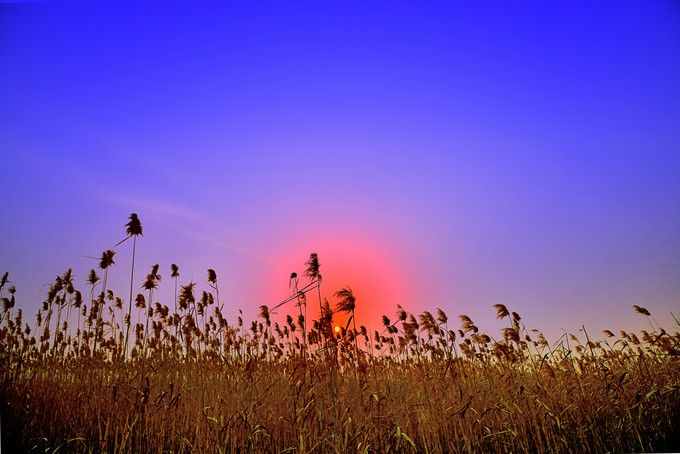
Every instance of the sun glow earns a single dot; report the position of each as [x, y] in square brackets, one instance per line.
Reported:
[367, 262]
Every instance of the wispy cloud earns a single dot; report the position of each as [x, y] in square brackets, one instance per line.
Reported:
[197, 226]
[155, 207]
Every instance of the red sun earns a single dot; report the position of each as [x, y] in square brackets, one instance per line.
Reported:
[368, 264]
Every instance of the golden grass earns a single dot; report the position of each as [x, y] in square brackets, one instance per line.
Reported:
[193, 382]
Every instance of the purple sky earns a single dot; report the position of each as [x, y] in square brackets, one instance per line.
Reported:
[434, 156]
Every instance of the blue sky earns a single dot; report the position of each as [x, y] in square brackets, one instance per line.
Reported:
[517, 153]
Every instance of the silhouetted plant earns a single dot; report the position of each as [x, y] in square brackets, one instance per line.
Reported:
[150, 284]
[313, 271]
[133, 229]
[174, 273]
[105, 263]
[347, 304]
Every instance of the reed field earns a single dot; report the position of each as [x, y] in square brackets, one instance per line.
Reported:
[100, 371]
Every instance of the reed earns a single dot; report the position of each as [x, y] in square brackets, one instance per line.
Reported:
[188, 380]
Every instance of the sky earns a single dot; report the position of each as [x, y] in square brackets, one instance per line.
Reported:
[439, 155]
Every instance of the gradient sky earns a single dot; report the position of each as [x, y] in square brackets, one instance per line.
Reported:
[434, 156]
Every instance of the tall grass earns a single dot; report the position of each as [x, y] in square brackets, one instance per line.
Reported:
[192, 381]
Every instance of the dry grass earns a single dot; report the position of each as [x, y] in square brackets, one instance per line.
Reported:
[193, 382]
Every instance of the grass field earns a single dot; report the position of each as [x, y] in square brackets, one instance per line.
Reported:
[82, 378]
